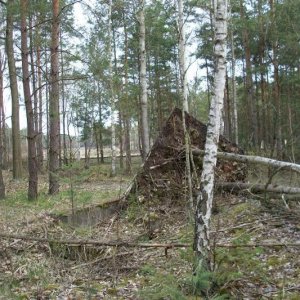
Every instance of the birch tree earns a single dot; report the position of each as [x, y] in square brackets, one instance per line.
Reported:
[182, 59]
[143, 81]
[184, 96]
[205, 198]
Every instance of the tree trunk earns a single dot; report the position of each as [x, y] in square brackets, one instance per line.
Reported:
[31, 136]
[234, 94]
[96, 130]
[143, 82]
[256, 188]
[3, 160]
[253, 159]
[205, 198]
[261, 54]
[100, 128]
[278, 118]
[227, 129]
[121, 142]
[252, 120]
[54, 103]
[39, 140]
[33, 75]
[184, 98]
[15, 120]
[112, 96]
[126, 108]
[63, 101]
[182, 58]
[2, 185]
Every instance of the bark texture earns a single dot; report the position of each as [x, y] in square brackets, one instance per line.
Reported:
[126, 109]
[2, 129]
[3, 154]
[254, 159]
[112, 96]
[182, 59]
[143, 83]
[205, 198]
[31, 135]
[183, 96]
[256, 188]
[54, 103]
[15, 119]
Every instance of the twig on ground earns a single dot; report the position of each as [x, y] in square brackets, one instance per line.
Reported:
[138, 245]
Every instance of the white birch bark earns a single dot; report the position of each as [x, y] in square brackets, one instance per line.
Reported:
[254, 160]
[112, 96]
[182, 58]
[143, 82]
[205, 198]
[184, 96]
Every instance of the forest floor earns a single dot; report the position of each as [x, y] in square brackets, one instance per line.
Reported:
[41, 270]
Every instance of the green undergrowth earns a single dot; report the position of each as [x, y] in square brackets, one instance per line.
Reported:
[231, 266]
[79, 187]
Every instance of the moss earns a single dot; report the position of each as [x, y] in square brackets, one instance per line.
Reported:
[273, 261]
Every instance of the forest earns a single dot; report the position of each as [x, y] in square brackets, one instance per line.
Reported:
[149, 149]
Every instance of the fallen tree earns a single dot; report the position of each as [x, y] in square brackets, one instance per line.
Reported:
[252, 159]
[256, 188]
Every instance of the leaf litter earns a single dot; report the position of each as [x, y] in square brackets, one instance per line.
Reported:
[34, 270]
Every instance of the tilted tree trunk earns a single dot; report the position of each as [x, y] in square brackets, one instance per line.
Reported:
[54, 102]
[111, 91]
[15, 119]
[31, 135]
[184, 97]
[205, 198]
[143, 82]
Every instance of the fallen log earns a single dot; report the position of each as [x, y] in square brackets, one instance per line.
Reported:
[256, 188]
[253, 159]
